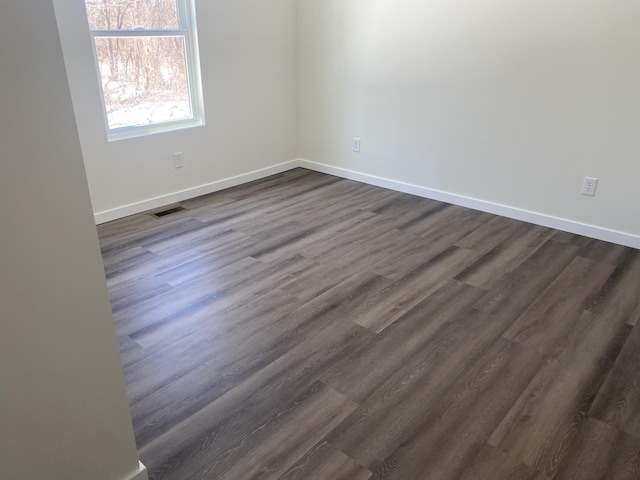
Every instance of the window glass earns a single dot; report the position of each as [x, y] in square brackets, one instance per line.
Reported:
[132, 14]
[144, 80]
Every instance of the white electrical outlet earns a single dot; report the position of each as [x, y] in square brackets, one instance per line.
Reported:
[589, 186]
[178, 160]
[356, 144]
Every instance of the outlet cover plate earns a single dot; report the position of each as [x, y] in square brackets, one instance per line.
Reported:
[178, 160]
[589, 186]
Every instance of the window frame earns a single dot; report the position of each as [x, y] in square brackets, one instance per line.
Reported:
[187, 28]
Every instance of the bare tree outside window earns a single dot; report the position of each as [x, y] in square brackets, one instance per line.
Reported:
[142, 50]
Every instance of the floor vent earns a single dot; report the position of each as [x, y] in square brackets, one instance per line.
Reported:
[164, 213]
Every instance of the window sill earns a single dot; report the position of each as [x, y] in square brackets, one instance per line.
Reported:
[125, 133]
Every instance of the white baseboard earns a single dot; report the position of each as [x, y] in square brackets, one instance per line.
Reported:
[139, 474]
[571, 226]
[563, 224]
[139, 207]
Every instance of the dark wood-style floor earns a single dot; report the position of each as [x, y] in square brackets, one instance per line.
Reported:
[313, 328]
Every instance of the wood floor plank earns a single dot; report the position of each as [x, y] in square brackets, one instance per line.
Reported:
[451, 223]
[595, 249]
[287, 194]
[541, 426]
[347, 196]
[129, 294]
[277, 451]
[154, 415]
[366, 368]
[240, 287]
[504, 250]
[515, 291]
[398, 406]
[314, 280]
[364, 256]
[129, 349]
[619, 297]
[493, 233]
[202, 240]
[157, 229]
[330, 312]
[398, 203]
[555, 312]
[279, 443]
[137, 272]
[216, 247]
[238, 355]
[494, 464]
[253, 220]
[406, 252]
[218, 344]
[390, 304]
[324, 462]
[270, 184]
[185, 396]
[203, 265]
[601, 452]
[275, 247]
[618, 402]
[404, 257]
[397, 220]
[262, 395]
[336, 197]
[126, 259]
[152, 310]
[119, 234]
[450, 430]
[336, 246]
[231, 317]
[207, 289]
[162, 368]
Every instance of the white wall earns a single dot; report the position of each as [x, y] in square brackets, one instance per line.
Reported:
[248, 59]
[502, 101]
[64, 414]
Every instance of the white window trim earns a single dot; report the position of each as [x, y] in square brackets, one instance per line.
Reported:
[187, 27]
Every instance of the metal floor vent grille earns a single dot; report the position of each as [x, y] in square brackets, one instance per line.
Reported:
[164, 213]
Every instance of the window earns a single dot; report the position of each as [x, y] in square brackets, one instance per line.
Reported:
[147, 60]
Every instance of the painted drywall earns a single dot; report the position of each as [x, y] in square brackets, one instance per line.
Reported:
[249, 76]
[505, 102]
[64, 413]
